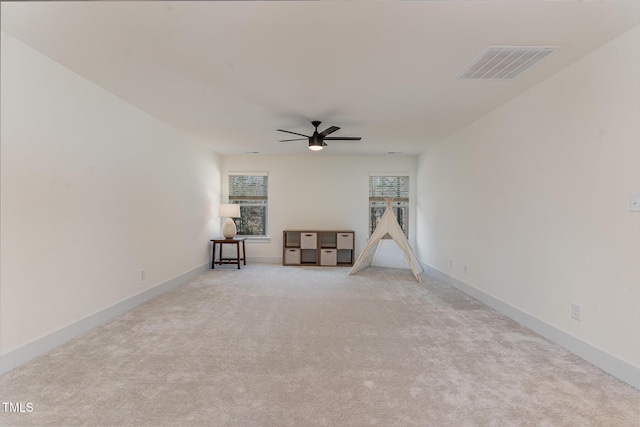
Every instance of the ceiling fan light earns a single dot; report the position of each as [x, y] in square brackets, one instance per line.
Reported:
[315, 147]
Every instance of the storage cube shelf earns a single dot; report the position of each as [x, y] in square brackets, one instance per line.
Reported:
[318, 247]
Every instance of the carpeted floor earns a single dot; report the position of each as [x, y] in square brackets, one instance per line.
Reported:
[283, 346]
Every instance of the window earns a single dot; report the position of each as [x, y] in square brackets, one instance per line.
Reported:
[389, 186]
[249, 190]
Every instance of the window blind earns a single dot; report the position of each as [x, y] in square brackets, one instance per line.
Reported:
[381, 187]
[248, 187]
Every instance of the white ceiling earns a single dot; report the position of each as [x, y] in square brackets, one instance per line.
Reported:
[229, 74]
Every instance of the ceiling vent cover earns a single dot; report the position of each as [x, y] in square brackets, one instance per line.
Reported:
[505, 62]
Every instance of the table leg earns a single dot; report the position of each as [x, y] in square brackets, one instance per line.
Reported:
[238, 254]
[213, 256]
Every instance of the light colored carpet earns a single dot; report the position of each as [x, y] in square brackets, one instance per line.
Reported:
[283, 346]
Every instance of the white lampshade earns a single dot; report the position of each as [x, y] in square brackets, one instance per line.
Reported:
[230, 210]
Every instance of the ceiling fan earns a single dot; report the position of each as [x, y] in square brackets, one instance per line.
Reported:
[317, 140]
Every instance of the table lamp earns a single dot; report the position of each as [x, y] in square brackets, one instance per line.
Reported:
[229, 210]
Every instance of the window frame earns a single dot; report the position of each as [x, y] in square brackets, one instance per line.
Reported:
[401, 200]
[247, 201]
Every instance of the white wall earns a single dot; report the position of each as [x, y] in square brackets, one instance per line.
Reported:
[93, 191]
[534, 199]
[317, 191]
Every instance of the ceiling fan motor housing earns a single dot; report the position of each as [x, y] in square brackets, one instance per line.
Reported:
[316, 142]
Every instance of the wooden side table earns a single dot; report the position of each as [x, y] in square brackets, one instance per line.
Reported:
[238, 241]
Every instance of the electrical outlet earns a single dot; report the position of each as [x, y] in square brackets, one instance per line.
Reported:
[465, 268]
[142, 275]
[575, 311]
[450, 263]
[634, 203]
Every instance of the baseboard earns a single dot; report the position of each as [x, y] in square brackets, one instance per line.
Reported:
[47, 343]
[603, 360]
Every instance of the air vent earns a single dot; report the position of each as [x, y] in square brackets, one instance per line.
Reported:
[505, 62]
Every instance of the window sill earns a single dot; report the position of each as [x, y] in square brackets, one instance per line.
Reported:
[257, 239]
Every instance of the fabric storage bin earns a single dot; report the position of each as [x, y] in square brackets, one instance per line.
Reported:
[345, 241]
[328, 257]
[308, 240]
[292, 256]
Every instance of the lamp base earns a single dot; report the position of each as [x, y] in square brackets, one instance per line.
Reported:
[229, 229]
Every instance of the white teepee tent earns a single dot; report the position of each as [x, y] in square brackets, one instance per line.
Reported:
[388, 227]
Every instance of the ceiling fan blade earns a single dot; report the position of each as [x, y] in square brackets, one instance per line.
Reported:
[295, 133]
[329, 130]
[291, 140]
[343, 138]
